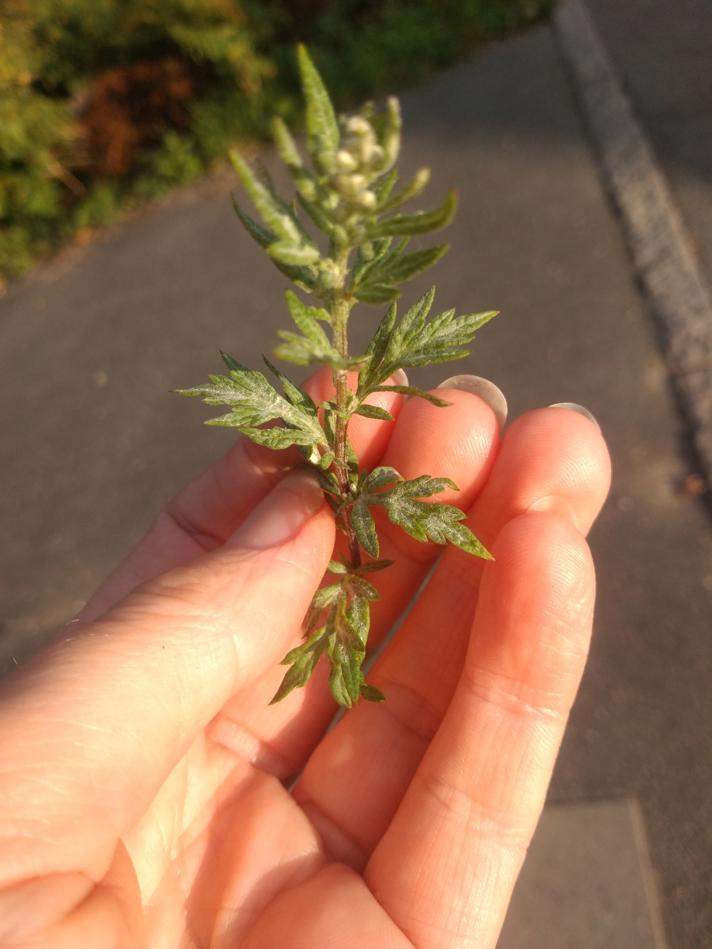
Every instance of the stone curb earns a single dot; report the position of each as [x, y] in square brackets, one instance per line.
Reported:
[659, 244]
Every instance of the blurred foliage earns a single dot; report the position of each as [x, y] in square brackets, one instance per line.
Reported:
[106, 104]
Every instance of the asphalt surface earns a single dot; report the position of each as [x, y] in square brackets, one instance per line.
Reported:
[93, 443]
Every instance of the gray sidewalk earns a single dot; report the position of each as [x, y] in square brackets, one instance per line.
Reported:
[93, 444]
[661, 50]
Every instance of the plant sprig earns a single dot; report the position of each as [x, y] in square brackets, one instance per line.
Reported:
[346, 192]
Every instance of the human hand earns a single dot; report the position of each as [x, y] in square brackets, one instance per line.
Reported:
[144, 790]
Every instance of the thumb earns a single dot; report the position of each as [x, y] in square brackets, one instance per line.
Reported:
[112, 709]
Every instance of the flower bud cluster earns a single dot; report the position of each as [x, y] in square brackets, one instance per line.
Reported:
[358, 161]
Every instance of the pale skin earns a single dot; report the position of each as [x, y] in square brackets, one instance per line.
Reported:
[147, 794]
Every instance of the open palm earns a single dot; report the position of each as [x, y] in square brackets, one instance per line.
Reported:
[149, 795]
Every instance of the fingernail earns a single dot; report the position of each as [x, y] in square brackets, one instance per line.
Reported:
[281, 515]
[486, 390]
[399, 378]
[575, 407]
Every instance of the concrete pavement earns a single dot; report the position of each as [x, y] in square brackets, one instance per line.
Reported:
[93, 443]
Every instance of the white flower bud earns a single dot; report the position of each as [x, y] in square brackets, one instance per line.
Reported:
[345, 161]
[340, 235]
[366, 148]
[367, 200]
[377, 156]
[421, 178]
[350, 186]
[357, 125]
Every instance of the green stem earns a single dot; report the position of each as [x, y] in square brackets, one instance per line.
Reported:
[341, 307]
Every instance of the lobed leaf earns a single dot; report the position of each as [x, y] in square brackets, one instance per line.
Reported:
[345, 678]
[306, 317]
[376, 293]
[304, 277]
[364, 526]
[438, 523]
[388, 201]
[294, 255]
[322, 127]
[302, 662]
[275, 214]
[375, 565]
[303, 350]
[380, 477]
[374, 411]
[253, 402]
[287, 147]
[293, 393]
[421, 222]
[371, 693]
[386, 271]
[417, 341]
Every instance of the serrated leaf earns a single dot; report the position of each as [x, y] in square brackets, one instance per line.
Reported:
[294, 255]
[394, 268]
[315, 641]
[322, 127]
[316, 214]
[421, 222]
[335, 566]
[305, 316]
[374, 411]
[362, 587]
[390, 137]
[371, 693]
[304, 277]
[439, 523]
[303, 350]
[380, 477]
[275, 214]
[364, 527]
[357, 617]
[411, 190]
[376, 293]
[345, 678]
[325, 596]
[286, 146]
[296, 677]
[378, 345]
[384, 186]
[262, 235]
[230, 361]
[253, 402]
[411, 324]
[302, 661]
[293, 393]
[375, 565]
[416, 340]
[423, 487]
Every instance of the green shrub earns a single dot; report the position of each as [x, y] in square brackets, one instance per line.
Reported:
[106, 103]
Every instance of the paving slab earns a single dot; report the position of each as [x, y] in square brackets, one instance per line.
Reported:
[586, 883]
[93, 443]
